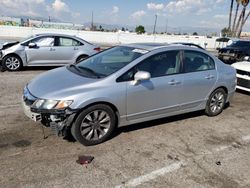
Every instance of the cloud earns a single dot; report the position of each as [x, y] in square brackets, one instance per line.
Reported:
[153, 6]
[60, 6]
[115, 10]
[23, 7]
[197, 7]
[138, 14]
[57, 9]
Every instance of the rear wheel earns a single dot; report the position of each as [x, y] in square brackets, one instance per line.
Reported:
[216, 102]
[81, 58]
[94, 125]
[12, 63]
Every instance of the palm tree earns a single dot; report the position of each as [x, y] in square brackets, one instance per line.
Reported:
[236, 15]
[230, 14]
[244, 4]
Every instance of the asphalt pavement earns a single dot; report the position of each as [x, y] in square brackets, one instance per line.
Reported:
[190, 150]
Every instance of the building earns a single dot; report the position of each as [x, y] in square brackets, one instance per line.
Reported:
[54, 25]
[4, 20]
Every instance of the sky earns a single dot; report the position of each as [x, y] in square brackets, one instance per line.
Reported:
[170, 13]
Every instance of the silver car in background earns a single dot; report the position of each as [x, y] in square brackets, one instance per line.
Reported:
[125, 85]
[46, 50]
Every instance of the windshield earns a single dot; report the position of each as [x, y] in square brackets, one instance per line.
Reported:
[107, 62]
[26, 39]
[240, 44]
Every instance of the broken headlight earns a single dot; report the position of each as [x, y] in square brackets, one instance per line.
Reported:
[51, 104]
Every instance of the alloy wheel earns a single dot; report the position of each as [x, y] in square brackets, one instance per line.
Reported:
[95, 125]
[12, 63]
[217, 102]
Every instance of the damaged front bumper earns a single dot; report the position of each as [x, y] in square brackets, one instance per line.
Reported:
[58, 120]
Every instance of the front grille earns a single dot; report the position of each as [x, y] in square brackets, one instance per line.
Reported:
[243, 83]
[244, 73]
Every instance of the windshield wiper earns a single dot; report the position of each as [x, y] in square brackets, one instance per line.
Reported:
[75, 67]
[90, 71]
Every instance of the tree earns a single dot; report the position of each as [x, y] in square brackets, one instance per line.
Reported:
[140, 29]
[226, 32]
[195, 33]
[123, 29]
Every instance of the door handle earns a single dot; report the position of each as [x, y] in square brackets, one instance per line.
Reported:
[76, 48]
[52, 49]
[209, 77]
[173, 82]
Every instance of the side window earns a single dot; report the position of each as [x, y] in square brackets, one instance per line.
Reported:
[197, 61]
[162, 64]
[63, 41]
[44, 41]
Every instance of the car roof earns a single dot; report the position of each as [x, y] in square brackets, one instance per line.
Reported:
[53, 34]
[153, 46]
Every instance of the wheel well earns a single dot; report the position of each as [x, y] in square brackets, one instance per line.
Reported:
[224, 88]
[82, 55]
[113, 107]
[13, 54]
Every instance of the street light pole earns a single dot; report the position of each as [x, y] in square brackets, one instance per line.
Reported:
[155, 23]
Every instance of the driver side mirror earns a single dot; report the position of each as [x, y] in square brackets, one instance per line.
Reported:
[141, 76]
[32, 45]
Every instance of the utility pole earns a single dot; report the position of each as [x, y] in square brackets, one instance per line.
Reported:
[166, 26]
[92, 21]
[155, 23]
[49, 18]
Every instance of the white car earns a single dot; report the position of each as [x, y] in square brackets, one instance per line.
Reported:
[243, 74]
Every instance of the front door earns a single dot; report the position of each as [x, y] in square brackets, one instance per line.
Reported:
[43, 53]
[160, 94]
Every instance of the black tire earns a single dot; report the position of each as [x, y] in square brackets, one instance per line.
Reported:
[81, 58]
[12, 63]
[216, 102]
[90, 128]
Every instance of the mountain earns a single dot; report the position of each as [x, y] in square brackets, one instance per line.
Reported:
[159, 28]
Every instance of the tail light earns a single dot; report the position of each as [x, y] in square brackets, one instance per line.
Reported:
[98, 49]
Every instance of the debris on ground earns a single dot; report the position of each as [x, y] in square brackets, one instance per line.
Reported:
[218, 163]
[83, 160]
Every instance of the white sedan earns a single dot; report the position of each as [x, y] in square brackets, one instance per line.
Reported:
[243, 74]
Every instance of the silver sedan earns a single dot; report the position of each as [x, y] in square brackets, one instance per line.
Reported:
[128, 84]
[46, 50]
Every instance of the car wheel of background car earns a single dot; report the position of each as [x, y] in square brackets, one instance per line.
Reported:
[94, 125]
[81, 58]
[12, 63]
[216, 102]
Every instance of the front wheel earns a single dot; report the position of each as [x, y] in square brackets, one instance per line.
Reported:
[216, 102]
[94, 125]
[12, 63]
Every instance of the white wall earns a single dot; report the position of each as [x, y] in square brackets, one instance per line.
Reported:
[106, 37]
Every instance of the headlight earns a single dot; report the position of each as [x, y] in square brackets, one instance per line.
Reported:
[51, 104]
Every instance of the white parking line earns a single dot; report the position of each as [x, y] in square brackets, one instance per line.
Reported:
[153, 175]
[167, 169]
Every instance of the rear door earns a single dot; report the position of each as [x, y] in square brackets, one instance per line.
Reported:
[43, 53]
[67, 50]
[199, 78]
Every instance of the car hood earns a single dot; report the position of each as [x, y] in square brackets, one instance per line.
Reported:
[7, 45]
[59, 84]
[244, 65]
